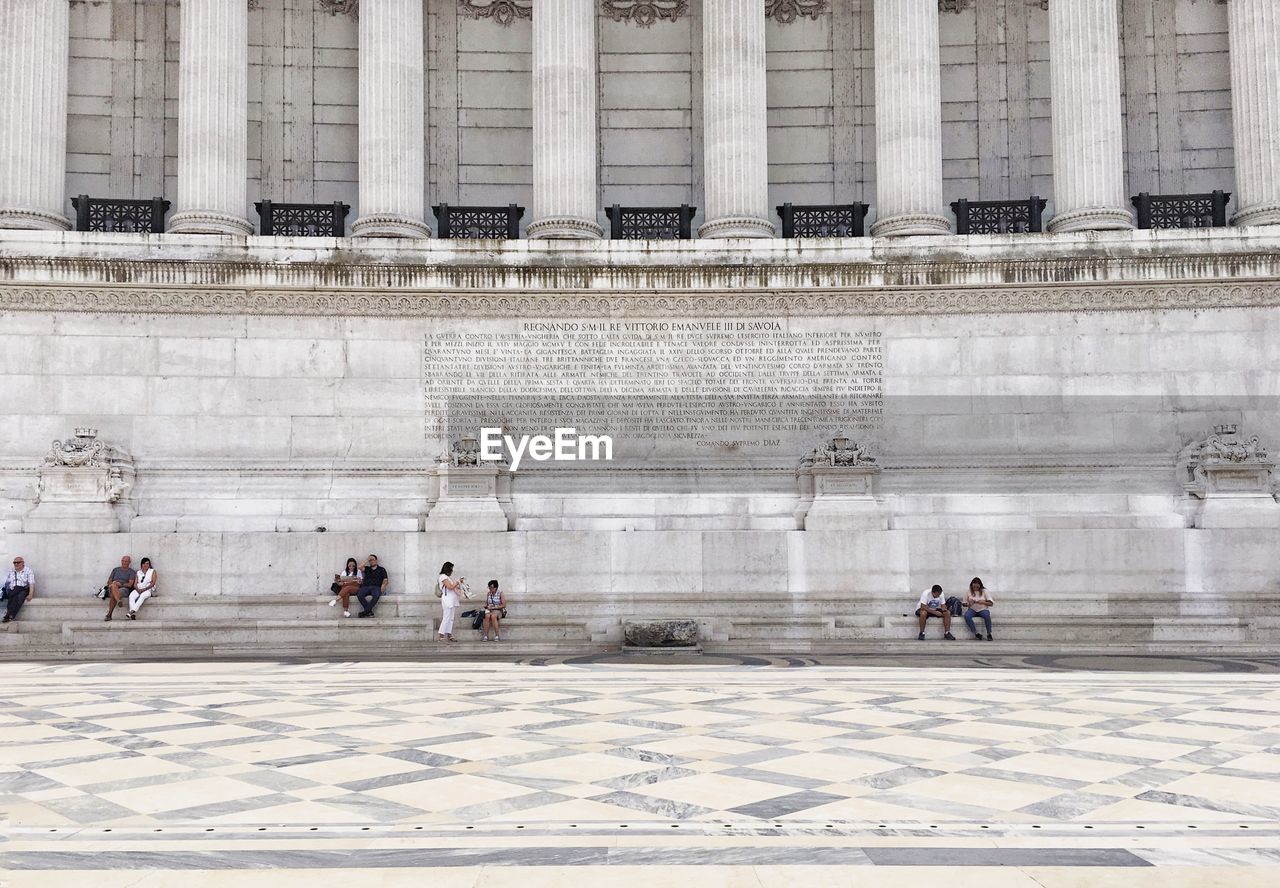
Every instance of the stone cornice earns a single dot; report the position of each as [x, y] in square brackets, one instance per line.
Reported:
[330, 302]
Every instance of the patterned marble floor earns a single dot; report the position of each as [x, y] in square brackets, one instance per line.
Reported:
[608, 772]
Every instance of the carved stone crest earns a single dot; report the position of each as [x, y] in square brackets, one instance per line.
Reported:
[787, 11]
[341, 7]
[838, 487]
[82, 450]
[644, 12]
[504, 12]
[839, 451]
[1230, 477]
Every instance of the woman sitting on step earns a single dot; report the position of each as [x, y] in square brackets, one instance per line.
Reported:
[345, 584]
[143, 587]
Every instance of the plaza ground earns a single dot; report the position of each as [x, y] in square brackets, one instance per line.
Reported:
[609, 770]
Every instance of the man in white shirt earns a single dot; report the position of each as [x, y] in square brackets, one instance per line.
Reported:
[932, 604]
[19, 585]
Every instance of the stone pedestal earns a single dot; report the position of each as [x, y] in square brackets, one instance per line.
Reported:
[81, 483]
[839, 484]
[1088, 127]
[908, 119]
[1230, 478]
[33, 114]
[734, 124]
[1255, 109]
[469, 499]
[213, 109]
[392, 122]
[564, 120]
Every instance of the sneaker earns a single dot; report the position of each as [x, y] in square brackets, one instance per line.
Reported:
[920, 637]
[6, 619]
[949, 637]
[364, 614]
[333, 603]
[497, 638]
[989, 638]
[133, 615]
[977, 636]
[346, 613]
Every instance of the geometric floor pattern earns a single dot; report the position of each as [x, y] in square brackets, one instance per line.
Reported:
[745, 775]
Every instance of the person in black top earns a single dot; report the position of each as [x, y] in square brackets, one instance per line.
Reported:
[372, 587]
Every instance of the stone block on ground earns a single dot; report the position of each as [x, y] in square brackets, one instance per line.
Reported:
[660, 633]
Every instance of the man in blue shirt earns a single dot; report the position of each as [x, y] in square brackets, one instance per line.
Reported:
[19, 586]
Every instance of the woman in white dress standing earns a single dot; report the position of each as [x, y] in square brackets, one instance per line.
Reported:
[449, 591]
[143, 588]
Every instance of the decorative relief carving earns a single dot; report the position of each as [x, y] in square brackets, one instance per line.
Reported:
[1225, 453]
[84, 450]
[341, 7]
[839, 451]
[644, 12]
[956, 5]
[720, 300]
[504, 12]
[786, 11]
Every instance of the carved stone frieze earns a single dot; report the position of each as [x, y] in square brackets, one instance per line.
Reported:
[839, 451]
[644, 12]
[341, 7]
[954, 5]
[504, 12]
[1229, 477]
[715, 301]
[787, 11]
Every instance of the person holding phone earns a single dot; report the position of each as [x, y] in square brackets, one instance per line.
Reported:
[494, 604]
[449, 590]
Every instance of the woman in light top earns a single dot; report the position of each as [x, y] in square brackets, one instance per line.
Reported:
[143, 588]
[978, 603]
[347, 582]
[449, 591]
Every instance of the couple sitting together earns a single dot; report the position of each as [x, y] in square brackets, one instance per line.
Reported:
[369, 583]
[140, 584]
[977, 603]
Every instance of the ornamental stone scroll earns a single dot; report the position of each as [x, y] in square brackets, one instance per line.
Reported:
[83, 487]
[839, 486]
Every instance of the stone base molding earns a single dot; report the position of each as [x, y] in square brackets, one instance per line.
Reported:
[203, 222]
[1264, 214]
[1092, 219]
[570, 227]
[909, 224]
[38, 219]
[740, 226]
[389, 225]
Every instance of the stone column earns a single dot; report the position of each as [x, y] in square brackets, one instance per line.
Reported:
[1255, 109]
[564, 120]
[34, 45]
[734, 128]
[908, 119]
[213, 109]
[1088, 128]
[393, 131]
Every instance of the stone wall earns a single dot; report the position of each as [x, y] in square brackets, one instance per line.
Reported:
[123, 83]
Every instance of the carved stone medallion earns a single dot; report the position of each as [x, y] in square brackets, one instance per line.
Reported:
[504, 12]
[644, 12]
[787, 11]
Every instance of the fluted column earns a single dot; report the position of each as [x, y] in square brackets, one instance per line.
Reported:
[564, 119]
[393, 133]
[1088, 128]
[33, 113]
[1255, 109]
[908, 119]
[734, 127]
[213, 127]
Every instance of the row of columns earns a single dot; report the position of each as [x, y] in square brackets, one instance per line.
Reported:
[213, 97]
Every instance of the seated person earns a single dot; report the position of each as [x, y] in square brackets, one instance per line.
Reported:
[144, 586]
[373, 585]
[494, 602]
[346, 583]
[978, 603]
[932, 604]
[19, 586]
[120, 582]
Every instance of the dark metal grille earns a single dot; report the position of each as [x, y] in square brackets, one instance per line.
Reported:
[99, 214]
[645, 223]
[822, 220]
[999, 216]
[485, 223]
[302, 220]
[1182, 210]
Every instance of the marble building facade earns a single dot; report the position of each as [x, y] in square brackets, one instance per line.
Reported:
[1081, 415]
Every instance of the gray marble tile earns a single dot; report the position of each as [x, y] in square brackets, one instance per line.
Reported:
[780, 780]
[88, 809]
[231, 806]
[647, 778]
[1024, 777]
[786, 804]
[370, 806]
[1065, 857]
[484, 810]
[420, 757]
[646, 755]
[739, 856]
[652, 805]
[276, 780]
[1228, 807]
[1069, 805]
[897, 777]
[757, 756]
